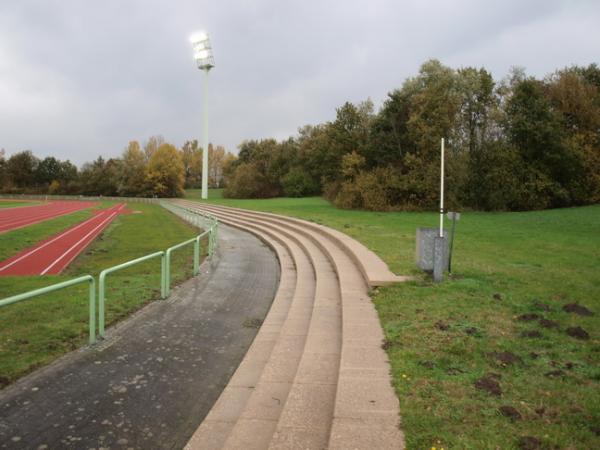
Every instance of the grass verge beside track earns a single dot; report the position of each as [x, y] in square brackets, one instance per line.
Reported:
[35, 332]
[498, 322]
[15, 204]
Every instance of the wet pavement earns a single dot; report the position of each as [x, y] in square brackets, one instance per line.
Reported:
[155, 377]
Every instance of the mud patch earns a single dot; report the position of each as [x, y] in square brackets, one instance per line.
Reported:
[528, 317]
[549, 324]
[442, 326]
[510, 412]
[578, 332]
[578, 309]
[555, 374]
[529, 443]
[531, 334]
[489, 383]
[505, 358]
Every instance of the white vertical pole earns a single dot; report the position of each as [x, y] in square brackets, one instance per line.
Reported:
[442, 192]
[205, 139]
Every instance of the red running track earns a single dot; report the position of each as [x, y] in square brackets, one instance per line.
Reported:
[13, 218]
[53, 255]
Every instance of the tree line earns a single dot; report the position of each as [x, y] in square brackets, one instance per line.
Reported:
[518, 144]
[156, 169]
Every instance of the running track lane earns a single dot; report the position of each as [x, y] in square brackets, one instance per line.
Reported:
[53, 255]
[13, 218]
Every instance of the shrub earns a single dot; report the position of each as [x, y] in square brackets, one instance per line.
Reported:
[298, 183]
[248, 182]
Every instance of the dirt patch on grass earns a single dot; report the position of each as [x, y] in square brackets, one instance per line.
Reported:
[555, 374]
[489, 383]
[531, 334]
[442, 326]
[578, 333]
[576, 308]
[529, 443]
[505, 358]
[528, 317]
[546, 323]
[510, 412]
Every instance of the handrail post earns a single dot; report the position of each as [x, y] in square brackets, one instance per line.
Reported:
[168, 274]
[101, 295]
[163, 276]
[197, 256]
[92, 303]
[102, 284]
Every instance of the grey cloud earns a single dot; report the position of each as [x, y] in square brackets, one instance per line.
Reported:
[82, 78]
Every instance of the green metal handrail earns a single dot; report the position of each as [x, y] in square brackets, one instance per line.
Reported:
[102, 282]
[165, 277]
[56, 287]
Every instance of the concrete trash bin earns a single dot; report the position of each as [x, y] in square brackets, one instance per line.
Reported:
[426, 238]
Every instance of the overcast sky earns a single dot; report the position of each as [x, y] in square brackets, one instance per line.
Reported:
[81, 78]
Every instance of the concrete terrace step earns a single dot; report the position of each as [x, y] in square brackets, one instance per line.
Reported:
[334, 389]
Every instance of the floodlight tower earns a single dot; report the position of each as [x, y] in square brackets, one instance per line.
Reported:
[203, 55]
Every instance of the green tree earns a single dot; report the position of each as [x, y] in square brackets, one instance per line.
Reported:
[100, 177]
[20, 169]
[48, 170]
[537, 131]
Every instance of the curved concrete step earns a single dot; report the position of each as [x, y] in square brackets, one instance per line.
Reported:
[374, 270]
[308, 412]
[341, 395]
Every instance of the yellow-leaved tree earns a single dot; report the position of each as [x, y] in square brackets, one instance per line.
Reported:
[165, 172]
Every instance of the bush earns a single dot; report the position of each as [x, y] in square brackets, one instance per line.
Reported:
[248, 182]
[348, 196]
[298, 183]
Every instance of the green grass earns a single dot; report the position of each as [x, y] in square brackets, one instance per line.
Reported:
[35, 332]
[504, 264]
[15, 204]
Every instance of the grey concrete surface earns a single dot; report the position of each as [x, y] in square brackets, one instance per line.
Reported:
[153, 380]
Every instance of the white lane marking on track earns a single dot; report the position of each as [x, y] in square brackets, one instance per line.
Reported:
[21, 223]
[77, 243]
[66, 264]
[49, 242]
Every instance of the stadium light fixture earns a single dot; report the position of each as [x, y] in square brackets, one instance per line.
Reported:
[203, 55]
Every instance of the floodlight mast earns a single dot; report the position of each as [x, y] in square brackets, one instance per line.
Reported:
[204, 59]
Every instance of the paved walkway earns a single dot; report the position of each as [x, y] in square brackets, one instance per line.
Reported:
[315, 376]
[150, 384]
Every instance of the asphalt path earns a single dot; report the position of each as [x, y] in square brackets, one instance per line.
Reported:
[156, 376]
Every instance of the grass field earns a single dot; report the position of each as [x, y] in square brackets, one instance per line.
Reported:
[15, 204]
[484, 360]
[35, 332]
